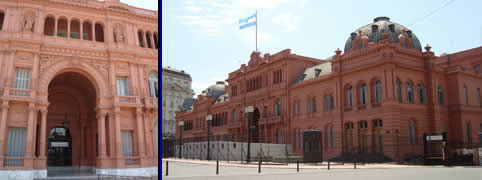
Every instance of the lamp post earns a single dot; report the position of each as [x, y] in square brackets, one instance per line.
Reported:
[249, 113]
[209, 119]
[181, 125]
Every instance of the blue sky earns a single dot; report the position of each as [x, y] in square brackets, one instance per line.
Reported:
[203, 38]
[146, 4]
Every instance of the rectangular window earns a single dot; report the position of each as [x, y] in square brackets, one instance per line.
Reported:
[309, 106]
[327, 103]
[16, 142]
[22, 78]
[469, 138]
[153, 88]
[234, 117]
[126, 143]
[478, 96]
[314, 104]
[123, 86]
[296, 108]
[332, 102]
[328, 134]
[465, 96]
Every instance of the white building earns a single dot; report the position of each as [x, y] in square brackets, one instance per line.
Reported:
[176, 86]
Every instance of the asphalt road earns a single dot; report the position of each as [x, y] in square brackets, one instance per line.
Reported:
[193, 171]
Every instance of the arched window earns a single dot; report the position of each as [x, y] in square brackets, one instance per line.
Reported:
[49, 26]
[362, 136]
[2, 17]
[377, 136]
[441, 99]
[410, 96]
[141, 39]
[399, 91]
[148, 40]
[62, 30]
[421, 94]
[479, 98]
[87, 31]
[153, 84]
[156, 41]
[99, 32]
[314, 104]
[278, 108]
[363, 94]
[349, 97]
[75, 29]
[378, 91]
[411, 132]
[349, 137]
[309, 105]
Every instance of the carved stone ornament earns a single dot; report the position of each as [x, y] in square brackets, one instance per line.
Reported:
[28, 23]
[119, 34]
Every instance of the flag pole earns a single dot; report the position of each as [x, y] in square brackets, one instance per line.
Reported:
[256, 30]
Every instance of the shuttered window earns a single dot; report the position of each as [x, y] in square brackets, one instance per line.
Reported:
[16, 142]
[22, 79]
[122, 86]
[153, 84]
[126, 143]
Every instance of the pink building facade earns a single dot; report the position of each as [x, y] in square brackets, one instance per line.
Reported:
[381, 95]
[78, 87]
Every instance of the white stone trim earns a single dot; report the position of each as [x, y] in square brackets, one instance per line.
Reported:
[22, 174]
[147, 172]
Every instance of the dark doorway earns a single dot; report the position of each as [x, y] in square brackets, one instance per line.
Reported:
[255, 126]
[313, 153]
[59, 147]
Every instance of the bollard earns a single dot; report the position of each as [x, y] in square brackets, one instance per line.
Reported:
[354, 163]
[217, 167]
[167, 168]
[297, 165]
[328, 165]
[259, 167]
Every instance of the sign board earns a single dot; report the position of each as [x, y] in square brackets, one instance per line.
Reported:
[434, 138]
[59, 144]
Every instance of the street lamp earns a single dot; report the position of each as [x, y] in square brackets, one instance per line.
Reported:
[249, 114]
[209, 119]
[181, 125]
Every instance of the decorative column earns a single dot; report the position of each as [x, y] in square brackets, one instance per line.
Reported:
[101, 134]
[55, 29]
[30, 131]
[81, 30]
[3, 130]
[144, 38]
[68, 28]
[117, 130]
[140, 133]
[43, 133]
[93, 31]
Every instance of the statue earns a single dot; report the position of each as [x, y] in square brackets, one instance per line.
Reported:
[119, 35]
[28, 23]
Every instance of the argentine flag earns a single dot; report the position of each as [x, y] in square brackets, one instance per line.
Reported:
[246, 22]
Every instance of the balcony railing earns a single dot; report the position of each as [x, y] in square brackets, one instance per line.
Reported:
[16, 92]
[132, 161]
[127, 100]
[151, 101]
[13, 162]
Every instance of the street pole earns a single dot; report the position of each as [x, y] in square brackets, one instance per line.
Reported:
[208, 119]
[248, 158]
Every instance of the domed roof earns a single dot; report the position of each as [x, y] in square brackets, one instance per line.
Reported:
[375, 30]
[215, 90]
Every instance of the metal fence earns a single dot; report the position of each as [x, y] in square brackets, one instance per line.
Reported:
[116, 177]
[351, 147]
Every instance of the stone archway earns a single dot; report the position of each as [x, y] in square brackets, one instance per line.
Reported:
[72, 95]
[72, 105]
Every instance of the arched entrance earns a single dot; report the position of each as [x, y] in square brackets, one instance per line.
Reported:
[72, 101]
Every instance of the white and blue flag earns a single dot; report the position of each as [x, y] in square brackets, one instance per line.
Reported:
[249, 21]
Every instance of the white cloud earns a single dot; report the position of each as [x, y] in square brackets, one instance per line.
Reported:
[193, 9]
[287, 21]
